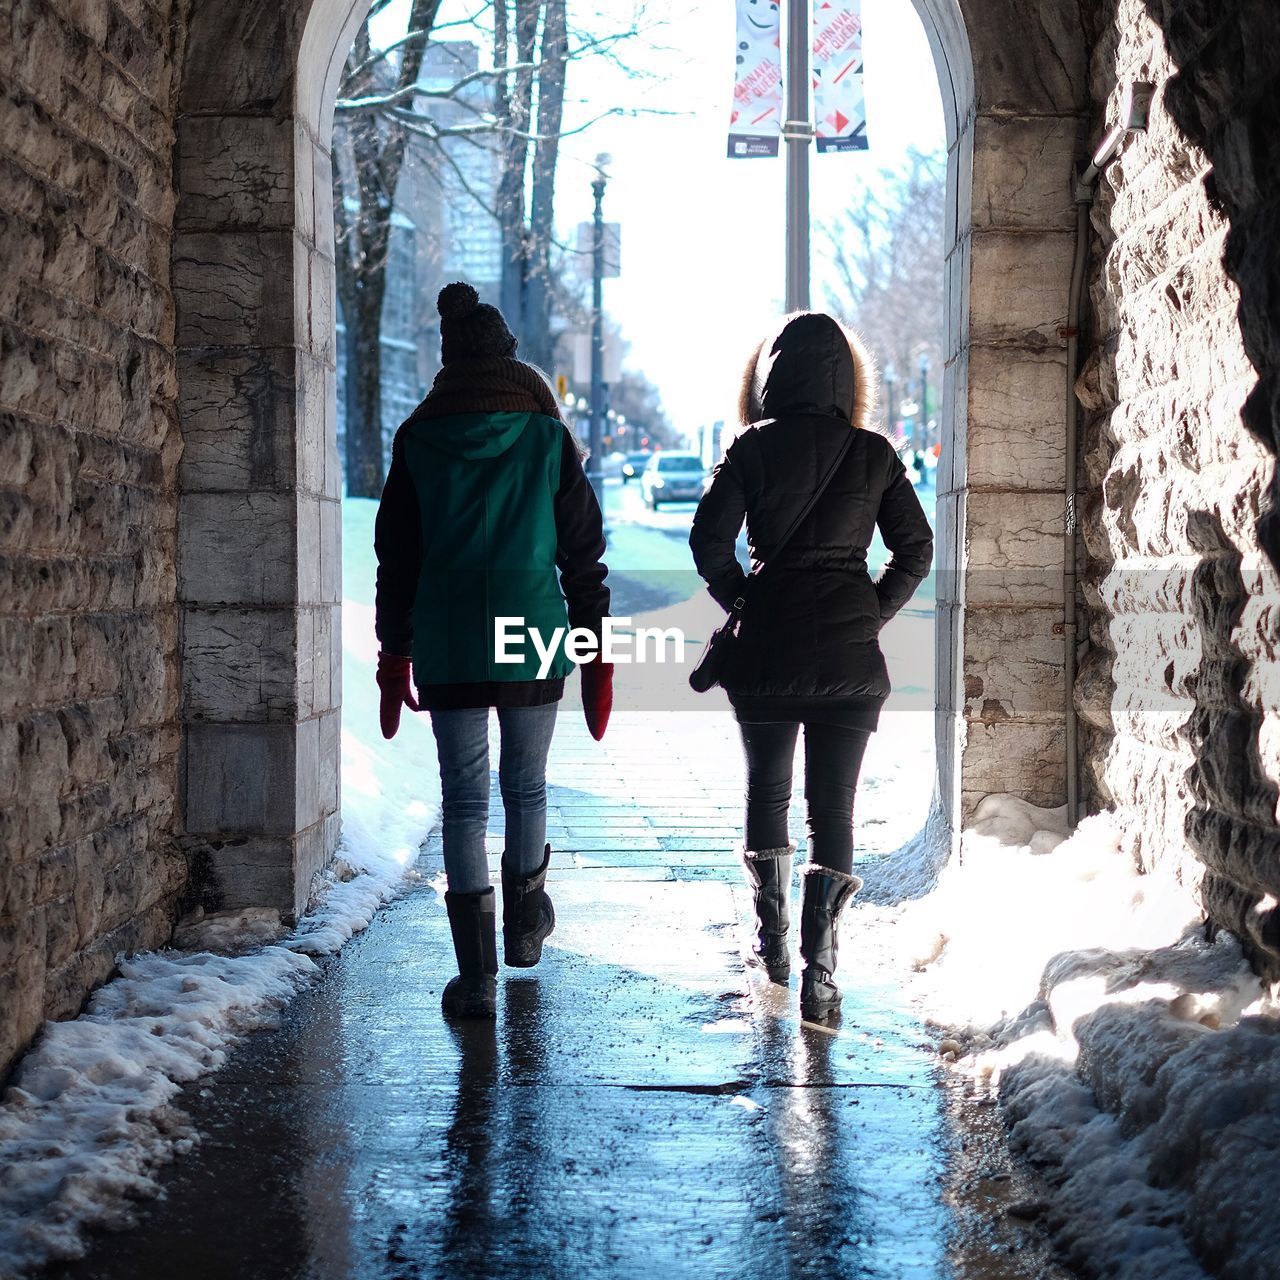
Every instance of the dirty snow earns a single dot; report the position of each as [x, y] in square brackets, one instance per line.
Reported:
[1138, 1063]
[90, 1115]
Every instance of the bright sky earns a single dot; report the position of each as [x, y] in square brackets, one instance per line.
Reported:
[703, 235]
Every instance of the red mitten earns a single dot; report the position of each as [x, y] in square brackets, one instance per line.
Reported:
[394, 679]
[597, 695]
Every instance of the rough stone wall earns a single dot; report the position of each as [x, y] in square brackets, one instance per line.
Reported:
[89, 697]
[1179, 688]
[1000, 501]
[259, 562]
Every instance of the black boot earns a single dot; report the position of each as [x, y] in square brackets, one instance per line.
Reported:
[769, 875]
[527, 915]
[474, 992]
[825, 894]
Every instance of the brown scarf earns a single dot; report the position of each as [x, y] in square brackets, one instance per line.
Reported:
[491, 384]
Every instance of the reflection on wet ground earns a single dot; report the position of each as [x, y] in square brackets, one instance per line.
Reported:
[642, 1107]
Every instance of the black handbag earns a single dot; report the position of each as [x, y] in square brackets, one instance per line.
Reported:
[714, 660]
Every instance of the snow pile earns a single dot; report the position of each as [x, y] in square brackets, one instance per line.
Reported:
[1137, 1061]
[228, 932]
[912, 870]
[350, 893]
[90, 1117]
[1164, 1142]
[390, 790]
[1021, 891]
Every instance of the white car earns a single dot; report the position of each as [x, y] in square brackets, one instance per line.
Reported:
[672, 477]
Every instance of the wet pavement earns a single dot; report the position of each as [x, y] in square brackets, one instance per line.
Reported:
[643, 1106]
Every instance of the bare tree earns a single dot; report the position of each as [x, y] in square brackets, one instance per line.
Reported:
[513, 112]
[532, 46]
[538, 299]
[519, 121]
[514, 107]
[887, 255]
[635, 399]
[374, 155]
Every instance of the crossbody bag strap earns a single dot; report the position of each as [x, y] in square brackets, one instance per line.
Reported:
[812, 502]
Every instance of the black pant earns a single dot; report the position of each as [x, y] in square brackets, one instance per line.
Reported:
[832, 760]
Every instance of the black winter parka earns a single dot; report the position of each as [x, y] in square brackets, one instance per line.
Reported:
[808, 647]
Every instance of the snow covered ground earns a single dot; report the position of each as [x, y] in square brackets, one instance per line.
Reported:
[1137, 1062]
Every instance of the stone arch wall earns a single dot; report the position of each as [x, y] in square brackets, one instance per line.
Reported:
[258, 527]
[1017, 118]
[1180, 691]
[89, 703]
[259, 570]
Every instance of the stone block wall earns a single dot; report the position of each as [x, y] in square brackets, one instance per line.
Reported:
[89, 451]
[1179, 690]
[1020, 124]
[259, 567]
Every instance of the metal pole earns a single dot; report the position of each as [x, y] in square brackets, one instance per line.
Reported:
[595, 473]
[798, 131]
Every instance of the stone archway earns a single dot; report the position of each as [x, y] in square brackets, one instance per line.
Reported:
[259, 579]
[259, 571]
[1013, 79]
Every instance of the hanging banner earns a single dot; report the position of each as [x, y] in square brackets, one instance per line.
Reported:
[839, 106]
[756, 125]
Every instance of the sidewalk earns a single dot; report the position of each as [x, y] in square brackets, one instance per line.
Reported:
[643, 1106]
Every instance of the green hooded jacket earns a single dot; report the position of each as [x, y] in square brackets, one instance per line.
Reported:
[486, 485]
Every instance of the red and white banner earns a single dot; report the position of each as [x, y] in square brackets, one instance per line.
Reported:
[839, 105]
[756, 126]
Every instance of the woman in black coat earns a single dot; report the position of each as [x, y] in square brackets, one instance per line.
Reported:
[807, 650]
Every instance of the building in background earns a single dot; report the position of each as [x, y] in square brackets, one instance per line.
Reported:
[711, 442]
[463, 170]
[402, 335]
[442, 230]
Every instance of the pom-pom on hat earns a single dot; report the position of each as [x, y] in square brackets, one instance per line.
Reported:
[471, 329]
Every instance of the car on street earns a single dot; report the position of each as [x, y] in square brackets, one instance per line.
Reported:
[672, 477]
[633, 464]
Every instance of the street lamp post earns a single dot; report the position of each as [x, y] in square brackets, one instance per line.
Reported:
[890, 393]
[797, 129]
[595, 442]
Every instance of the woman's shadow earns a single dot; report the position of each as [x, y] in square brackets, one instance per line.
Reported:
[495, 1143]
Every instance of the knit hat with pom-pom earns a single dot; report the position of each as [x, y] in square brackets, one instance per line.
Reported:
[471, 329]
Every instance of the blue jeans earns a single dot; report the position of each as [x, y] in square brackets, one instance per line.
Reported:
[462, 743]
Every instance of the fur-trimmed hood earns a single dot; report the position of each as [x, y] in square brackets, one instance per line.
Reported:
[810, 365]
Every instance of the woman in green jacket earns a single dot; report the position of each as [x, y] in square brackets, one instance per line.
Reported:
[487, 515]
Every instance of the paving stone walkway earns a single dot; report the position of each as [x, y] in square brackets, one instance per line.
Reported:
[642, 1107]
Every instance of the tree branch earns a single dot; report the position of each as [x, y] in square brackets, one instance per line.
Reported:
[597, 47]
[425, 127]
